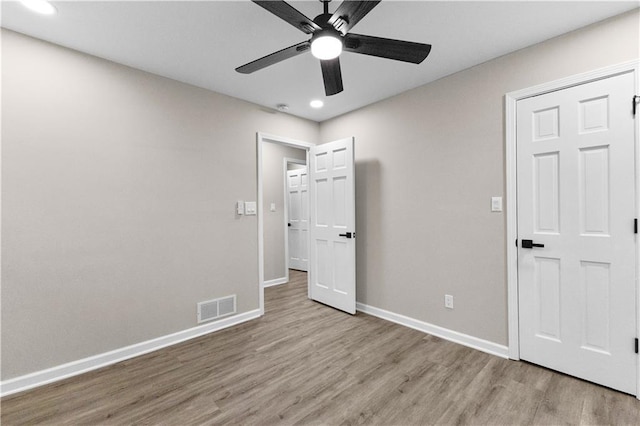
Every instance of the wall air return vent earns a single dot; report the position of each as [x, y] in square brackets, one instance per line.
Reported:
[216, 308]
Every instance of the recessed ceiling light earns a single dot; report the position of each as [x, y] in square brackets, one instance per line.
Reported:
[40, 6]
[316, 103]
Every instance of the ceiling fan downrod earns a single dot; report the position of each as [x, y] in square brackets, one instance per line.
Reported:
[325, 3]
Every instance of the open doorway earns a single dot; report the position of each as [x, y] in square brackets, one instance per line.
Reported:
[332, 249]
[274, 155]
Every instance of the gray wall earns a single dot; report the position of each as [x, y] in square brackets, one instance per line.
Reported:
[273, 156]
[428, 162]
[294, 166]
[118, 196]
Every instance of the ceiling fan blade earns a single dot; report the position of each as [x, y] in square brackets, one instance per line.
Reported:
[332, 76]
[349, 13]
[274, 58]
[289, 14]
[406, 51]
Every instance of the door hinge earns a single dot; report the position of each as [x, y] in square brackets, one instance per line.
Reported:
[636, 345]
[635, 101]
[635, 225]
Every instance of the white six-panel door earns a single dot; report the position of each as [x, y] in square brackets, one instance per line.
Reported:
[575, 179]
[298, 218]
[332, 272]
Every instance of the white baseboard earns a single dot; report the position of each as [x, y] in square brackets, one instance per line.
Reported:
[444, 333]
[84, 365]
[276, 281]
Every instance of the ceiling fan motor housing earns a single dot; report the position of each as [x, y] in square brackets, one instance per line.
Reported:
[326, 22]
[324, 32]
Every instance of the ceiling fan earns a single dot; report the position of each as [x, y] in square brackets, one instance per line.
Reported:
[330, 35]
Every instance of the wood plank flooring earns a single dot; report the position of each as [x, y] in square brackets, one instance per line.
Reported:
[305, 363]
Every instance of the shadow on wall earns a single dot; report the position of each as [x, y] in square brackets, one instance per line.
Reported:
[368, 261]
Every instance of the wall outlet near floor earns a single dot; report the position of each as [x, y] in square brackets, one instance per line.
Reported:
[448, 301]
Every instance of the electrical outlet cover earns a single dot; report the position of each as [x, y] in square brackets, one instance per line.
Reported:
[448, 301]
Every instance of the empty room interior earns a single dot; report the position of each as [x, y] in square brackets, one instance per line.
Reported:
[320, 212]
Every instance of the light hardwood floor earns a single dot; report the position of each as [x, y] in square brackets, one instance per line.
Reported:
[306, 363]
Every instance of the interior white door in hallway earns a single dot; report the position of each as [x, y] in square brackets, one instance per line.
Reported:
[576, 242]
[332, 271]
[298, 218]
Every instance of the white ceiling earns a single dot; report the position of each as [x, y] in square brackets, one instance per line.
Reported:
[202, 42]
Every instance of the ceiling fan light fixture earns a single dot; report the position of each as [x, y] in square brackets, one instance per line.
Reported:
[330, 34]
[326, 45]
[40, 6]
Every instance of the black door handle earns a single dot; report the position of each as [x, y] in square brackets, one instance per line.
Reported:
[288, 224]
[348, 235]
[530, 244]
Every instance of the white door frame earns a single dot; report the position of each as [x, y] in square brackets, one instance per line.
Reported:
[511, 100]
[260, 139]
[286, 162]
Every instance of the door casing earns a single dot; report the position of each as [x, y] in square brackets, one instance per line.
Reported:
[262, 138]
[511, 100]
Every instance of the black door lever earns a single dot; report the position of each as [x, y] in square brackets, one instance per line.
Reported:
[530, 244]
[348, 235]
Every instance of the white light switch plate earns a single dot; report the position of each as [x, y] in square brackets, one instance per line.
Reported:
[273, 207]
[240, 207]
[496, 204]
[250, 208]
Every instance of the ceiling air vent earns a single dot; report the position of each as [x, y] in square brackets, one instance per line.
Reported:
[216, 308]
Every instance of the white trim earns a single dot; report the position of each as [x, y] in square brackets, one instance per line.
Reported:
[637, 134]
[512, 227]
[281, 140]
[511, 100]
[576, 80]
[444, 333]
[260, 138]
[260, 224]
[276, 281]
[60, 372]
[637, 119]
[308, 159]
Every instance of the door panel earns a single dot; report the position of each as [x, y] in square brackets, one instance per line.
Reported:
[546, 190]
[576, 196]
[332, 275]
[547, 283]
